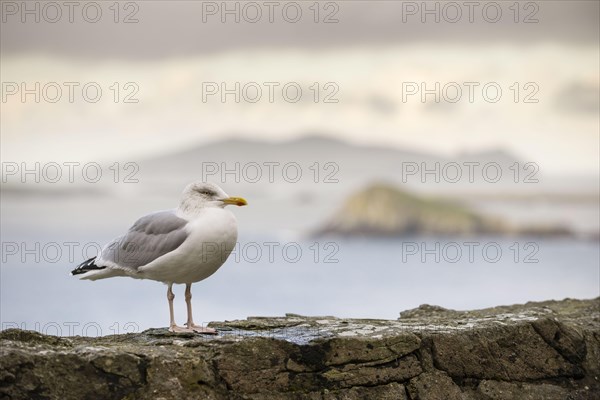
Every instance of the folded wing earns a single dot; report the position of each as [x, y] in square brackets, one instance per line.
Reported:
[150, 237]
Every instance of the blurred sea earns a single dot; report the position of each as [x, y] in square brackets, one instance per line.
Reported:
[273, 274]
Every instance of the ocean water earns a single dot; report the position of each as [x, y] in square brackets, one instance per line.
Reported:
[273, 271]
[270, 276]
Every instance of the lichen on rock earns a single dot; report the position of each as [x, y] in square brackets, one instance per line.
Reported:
[547, 350]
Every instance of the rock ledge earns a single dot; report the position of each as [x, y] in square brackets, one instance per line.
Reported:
[548, 350]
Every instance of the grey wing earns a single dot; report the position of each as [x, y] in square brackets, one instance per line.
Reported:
[150, 237]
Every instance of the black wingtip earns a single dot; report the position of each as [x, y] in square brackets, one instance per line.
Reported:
[86, 266]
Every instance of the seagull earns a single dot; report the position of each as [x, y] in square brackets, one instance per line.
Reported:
[183, 245]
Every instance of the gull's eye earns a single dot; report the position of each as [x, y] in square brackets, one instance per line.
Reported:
[207, 192]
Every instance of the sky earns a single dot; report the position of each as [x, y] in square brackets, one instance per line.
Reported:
[168, 76]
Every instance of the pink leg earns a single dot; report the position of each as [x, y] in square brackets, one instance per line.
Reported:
[172, 325]
[190, 322]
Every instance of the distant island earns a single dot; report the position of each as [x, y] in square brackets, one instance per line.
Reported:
[385, 210]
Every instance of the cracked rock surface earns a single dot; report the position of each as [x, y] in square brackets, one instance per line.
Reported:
[548, 350]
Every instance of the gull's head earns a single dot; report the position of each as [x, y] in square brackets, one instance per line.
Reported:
[205, 194]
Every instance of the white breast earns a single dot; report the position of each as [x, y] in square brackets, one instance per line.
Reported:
[211, 238]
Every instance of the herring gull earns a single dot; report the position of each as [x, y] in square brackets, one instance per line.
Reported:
[184, 245]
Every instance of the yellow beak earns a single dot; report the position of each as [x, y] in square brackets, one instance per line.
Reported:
[237, 201]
